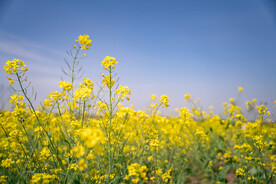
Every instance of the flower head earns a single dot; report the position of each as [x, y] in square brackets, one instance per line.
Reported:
[85, 42]
[109, 62]
[66, 86]
[108, 81]
[15, 66]
[187, 96]
[165, 100]
[124, 91]
[240, 89]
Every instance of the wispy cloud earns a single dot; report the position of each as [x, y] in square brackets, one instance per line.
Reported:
[10, 40]
[31, 52]
[18, 51]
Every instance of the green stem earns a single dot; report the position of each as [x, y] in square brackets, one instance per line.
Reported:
[83, 111]
[110, 121]
[72, 81]
[33, 110]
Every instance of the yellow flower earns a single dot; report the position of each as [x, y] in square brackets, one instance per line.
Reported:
[82, 164]
[73, 167]
[3, 179]
[48, 102]
[79, 150]
[66, 86]
[187, 96]
[109, 62]
[91, 136]
[7, 163]
[15, 66]
[108, 81]
[57, 96]
[165, 100]
[87, 83]
[166, 176]
[202, 136]
[42, 178]
[240, 172]
[149, 158]
[137, 171]
[240, 89]
[85, 42]
[85, 90]
[11, 81]
[123, 91]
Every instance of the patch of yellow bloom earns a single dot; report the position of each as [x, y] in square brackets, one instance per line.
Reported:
[17, 67]
[66, 86]
[109, 62]
[108, 81]
[43, 178]
[85, 90]
[240, 89]
[187, 96]
[91, 136]
[202, 136]
[164, 100]
[153, 97]
[167, 175]
[137, 171]
[85, 42]
[240, 172]
[12, 66]
[123, 92]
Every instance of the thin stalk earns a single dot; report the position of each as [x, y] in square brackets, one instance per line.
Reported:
[32, 108]
[110, 121]
[83, 111]
[72, 81]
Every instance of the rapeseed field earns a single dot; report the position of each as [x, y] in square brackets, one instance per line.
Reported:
[79, 135]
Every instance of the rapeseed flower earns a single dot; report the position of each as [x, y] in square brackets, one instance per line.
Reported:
[123, 92]
[84, 41]
[164, 100]
[109, 62]
[75, 136]
[66, 86]
[240, 89]
[187, 96]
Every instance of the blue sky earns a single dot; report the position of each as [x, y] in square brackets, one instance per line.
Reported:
[205, 48]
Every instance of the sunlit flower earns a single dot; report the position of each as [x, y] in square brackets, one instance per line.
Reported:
[85, 42]
[109, 62]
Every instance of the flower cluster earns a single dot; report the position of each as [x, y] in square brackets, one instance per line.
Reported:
[85, 90]
[108, 81]
[91, 136]
[43, 178]
[137, 171]
[187, 96]
[124, 91]
[240, 172]
[66, 86]
[164, 100]
[109, 62]
[84, 41]
[15, 66]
